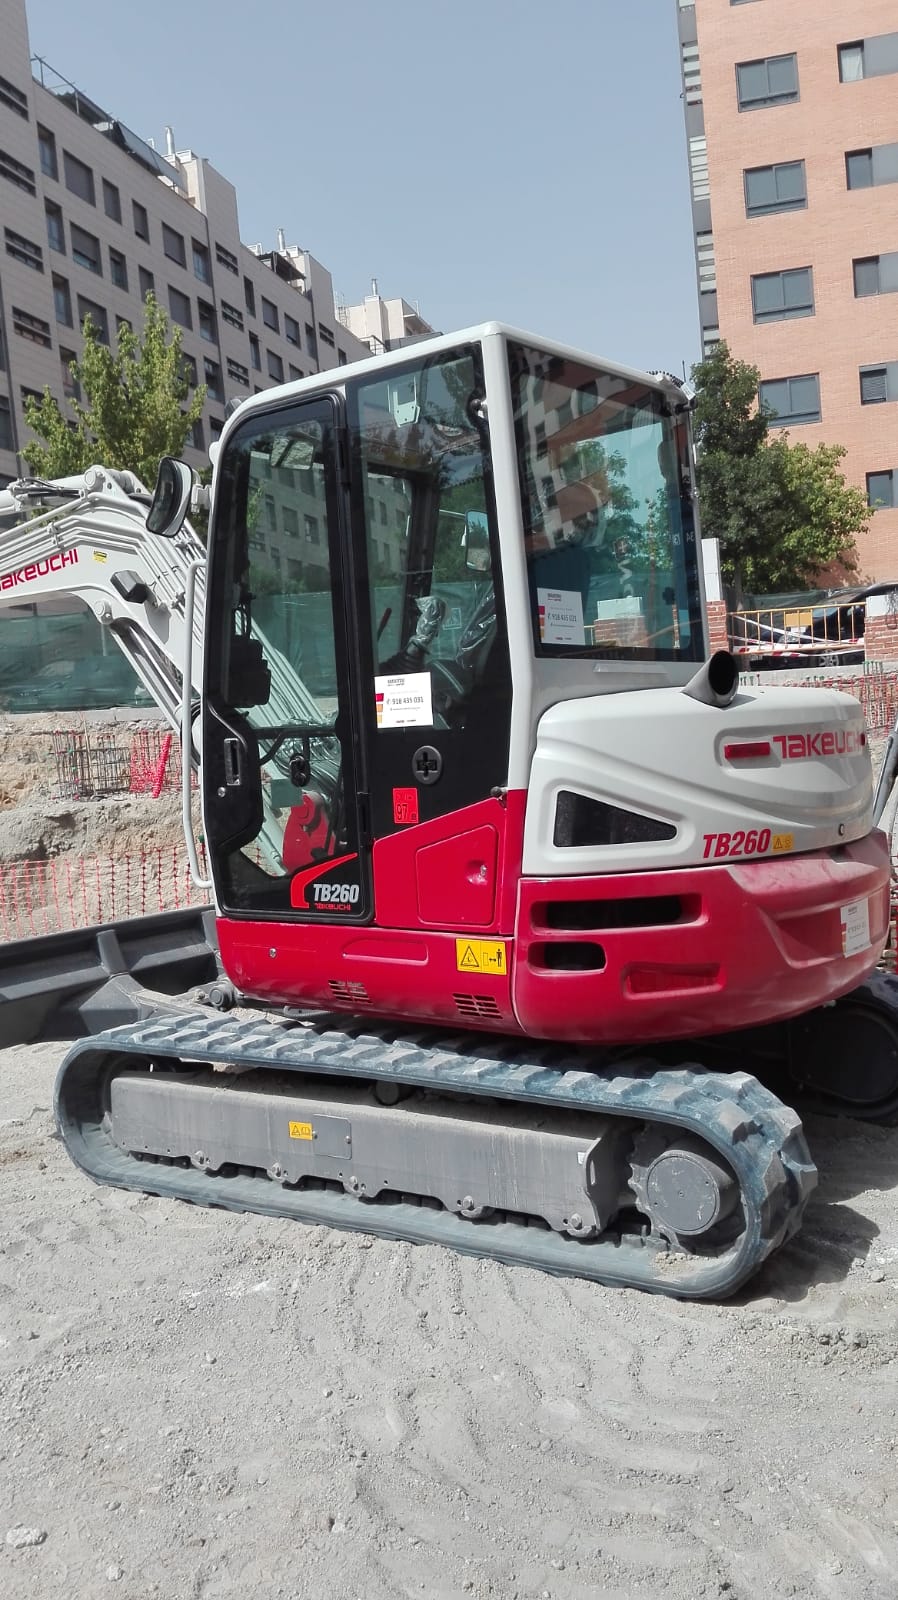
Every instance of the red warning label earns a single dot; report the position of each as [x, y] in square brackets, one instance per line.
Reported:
[405, 806]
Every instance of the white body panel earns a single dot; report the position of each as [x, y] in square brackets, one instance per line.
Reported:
[662, 756]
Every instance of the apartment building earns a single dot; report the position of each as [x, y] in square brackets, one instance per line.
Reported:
[384, 324]
[92, 218]
[791, 117]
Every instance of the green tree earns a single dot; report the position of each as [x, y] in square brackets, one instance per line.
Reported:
[783, 513]
[134, 409]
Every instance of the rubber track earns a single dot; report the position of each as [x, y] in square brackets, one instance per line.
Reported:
[761, 1138]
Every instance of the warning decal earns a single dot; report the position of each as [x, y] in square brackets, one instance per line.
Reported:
[481, 955]
[301, 1130]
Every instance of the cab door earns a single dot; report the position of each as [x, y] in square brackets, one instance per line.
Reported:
[283, 801]
[438, 718]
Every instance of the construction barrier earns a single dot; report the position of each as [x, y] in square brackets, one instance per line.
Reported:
[71, 891]
[90, 765]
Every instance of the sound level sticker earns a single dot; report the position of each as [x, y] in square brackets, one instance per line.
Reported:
[481, 955]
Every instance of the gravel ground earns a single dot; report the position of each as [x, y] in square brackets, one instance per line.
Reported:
[196, 1404]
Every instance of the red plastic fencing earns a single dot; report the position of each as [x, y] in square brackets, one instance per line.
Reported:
[92, 764]
[877, 691]
[73, 891]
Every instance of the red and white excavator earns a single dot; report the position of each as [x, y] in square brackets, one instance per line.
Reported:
[517, 896]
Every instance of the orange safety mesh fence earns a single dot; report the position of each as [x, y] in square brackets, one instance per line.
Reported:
[73, 891]
[89, 765]
[877, 691]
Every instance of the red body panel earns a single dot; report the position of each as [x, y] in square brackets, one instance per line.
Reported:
[607, 959]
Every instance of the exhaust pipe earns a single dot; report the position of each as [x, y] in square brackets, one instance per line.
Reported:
[716, 682]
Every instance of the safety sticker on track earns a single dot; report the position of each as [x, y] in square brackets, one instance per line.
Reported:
[301, 1130]
[481, 955]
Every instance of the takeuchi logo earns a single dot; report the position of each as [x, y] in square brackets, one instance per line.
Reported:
[832, 742]
[39, 569]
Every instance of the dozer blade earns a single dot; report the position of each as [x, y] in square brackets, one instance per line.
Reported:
[681, 1182]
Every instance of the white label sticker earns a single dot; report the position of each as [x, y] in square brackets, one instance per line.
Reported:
[560, 616]
[855, 927]
[404, 701]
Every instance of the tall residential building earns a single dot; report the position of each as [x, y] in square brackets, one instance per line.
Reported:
[92, 217]
[384, 324]
[792, 127]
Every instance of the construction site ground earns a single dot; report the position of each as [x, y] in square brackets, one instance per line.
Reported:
[198, 1405]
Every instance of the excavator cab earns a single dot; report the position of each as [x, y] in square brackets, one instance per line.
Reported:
[383, 542]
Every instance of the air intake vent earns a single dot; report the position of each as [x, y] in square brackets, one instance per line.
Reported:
[581, 821]
[477, 1005]
[355, 993]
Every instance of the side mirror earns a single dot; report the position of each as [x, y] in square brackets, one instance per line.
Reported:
[171, 497]
[477, 541]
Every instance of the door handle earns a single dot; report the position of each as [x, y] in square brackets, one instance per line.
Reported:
[233, 766]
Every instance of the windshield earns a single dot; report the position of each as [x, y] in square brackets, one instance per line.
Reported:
[608, 528]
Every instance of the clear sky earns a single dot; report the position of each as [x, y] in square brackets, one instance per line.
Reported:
[517, 159]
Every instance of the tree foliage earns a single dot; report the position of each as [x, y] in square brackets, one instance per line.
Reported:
[134, 407]
[784, 514]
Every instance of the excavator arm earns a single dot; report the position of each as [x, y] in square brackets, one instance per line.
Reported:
[87, 537]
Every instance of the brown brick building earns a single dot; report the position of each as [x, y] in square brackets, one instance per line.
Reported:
[792, 128]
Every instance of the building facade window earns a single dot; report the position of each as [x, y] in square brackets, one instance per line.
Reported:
[227, 259]
[6, 440]
[707, 269]
[179, 307]
[212, 375]
[698, 167]
[35, 329]
[291, 330]
[776, 296]
[112, 201]
[879, 385]
[208, 323]
[772, 81]
[239, 373]
[692, 74]
[146, 282]
[875, 274]
[867, 169]
[882, 489]
[868, 58]
[270, 315]
[202, 267]
[232, 315]
[23, 250]
[79, 178]
[12, 96]
[710, 340]
[275, 366]
[295, 374]
[255, 353]
[311, 341]
[16, 173]
[141, 220]
[196, 436]
[781, 187]
[173, 245]
[118, 269]
[55, 228]
[311, 528]
[62, 301]
[85, 249]
[791, 400]
[47, 147]
[249, 296]
[71, 388]
[98, 317]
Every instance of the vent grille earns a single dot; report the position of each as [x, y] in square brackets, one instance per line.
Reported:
[581, 821]
[355, 993]
[477, 1005]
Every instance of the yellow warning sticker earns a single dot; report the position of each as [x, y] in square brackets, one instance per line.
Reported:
[481, 955]
[782, 841]
[100, 555]
[301, 1130]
